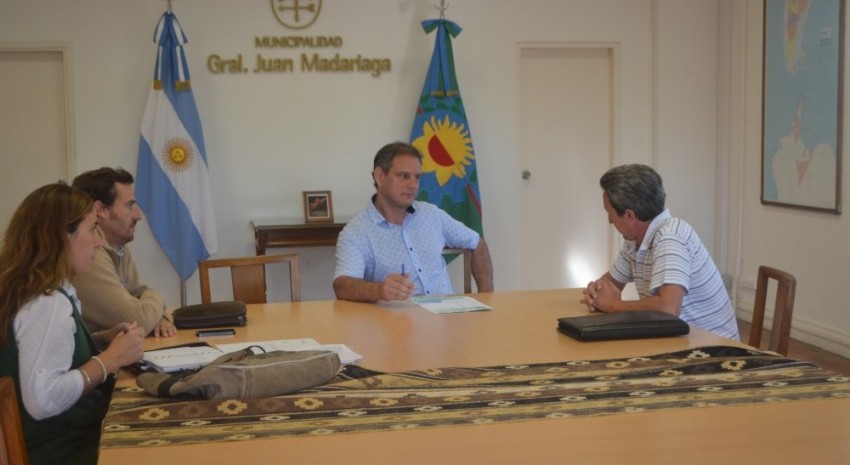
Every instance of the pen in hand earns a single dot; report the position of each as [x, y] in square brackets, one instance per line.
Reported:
[396, 287]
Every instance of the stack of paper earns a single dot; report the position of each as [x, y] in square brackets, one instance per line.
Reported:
[184, 357]
[346, 355]
[200, 354]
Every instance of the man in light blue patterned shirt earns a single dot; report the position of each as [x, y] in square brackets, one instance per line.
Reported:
[662, 255]
[393, 249]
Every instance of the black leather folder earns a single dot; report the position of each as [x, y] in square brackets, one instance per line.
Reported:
[623, 325]
[212, 315]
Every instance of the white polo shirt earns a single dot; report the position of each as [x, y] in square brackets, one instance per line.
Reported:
[672, 253]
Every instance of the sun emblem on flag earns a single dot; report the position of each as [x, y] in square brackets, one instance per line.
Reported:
[446, 147]
[178, 154]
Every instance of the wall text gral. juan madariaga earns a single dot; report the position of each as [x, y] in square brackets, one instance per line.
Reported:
[308, 63]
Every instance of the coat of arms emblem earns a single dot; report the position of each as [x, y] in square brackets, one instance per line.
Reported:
[296, 14]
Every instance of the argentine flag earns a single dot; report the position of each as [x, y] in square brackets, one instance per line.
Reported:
[173, 183]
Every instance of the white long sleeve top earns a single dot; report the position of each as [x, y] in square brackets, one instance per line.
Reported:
[44, 333]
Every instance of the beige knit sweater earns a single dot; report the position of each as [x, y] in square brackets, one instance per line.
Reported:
[112, 293]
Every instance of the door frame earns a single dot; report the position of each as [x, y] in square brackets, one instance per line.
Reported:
[64, 50]
[614, 158]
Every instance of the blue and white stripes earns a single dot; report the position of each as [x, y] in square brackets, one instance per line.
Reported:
[175, 53]
[672, 253]
[173, 186]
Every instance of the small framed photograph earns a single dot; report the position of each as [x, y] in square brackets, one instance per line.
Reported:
[318, 207]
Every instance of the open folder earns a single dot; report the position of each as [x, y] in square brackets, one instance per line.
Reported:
[449, 304]
[183, 357]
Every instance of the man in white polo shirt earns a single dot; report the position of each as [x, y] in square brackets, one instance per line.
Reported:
[662, 255]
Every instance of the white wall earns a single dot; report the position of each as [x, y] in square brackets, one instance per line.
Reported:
[270, 137]
[810, 245]
[686, 110]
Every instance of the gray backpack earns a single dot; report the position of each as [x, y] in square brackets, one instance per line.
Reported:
[243, 374]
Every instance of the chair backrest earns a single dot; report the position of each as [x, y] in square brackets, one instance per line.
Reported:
[248, 275]
[13, 450]
[467, 266]
[783, 309]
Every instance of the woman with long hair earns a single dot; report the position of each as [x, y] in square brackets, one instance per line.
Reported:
[61, 374]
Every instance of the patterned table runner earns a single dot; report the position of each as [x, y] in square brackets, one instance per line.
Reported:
[363, 400]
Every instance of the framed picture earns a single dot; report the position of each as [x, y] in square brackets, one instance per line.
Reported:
[802, 95]
[318, 207]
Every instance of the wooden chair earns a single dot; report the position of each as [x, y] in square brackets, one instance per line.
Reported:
[248, 275]
[467, 266]
[783, 309]
[13, 450]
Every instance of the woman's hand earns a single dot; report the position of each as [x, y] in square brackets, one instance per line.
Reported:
[125, 347]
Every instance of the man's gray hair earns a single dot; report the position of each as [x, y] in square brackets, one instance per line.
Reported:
[634, 187]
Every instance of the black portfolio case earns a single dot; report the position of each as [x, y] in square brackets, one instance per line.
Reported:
[622, 325]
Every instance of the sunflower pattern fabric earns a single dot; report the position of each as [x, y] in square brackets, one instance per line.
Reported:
[361, 400]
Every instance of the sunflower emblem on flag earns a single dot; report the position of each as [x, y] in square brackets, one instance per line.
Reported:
[447, 149]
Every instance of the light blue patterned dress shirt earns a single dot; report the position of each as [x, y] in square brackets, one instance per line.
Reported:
[370, 248]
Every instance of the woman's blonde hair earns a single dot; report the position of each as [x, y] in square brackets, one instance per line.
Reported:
[34, 255]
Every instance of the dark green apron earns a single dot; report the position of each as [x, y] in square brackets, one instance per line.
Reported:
[72, 436]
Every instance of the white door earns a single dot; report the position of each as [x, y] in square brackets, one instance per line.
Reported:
[566, 126]
[33, 125]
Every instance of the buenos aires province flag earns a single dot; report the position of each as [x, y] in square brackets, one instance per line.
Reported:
[441, 133]
[173, 185]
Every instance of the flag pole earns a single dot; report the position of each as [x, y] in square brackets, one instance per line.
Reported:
[443, 7]
[182, 293]
[169, 5]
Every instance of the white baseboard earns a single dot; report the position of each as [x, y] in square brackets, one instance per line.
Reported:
[802, 329]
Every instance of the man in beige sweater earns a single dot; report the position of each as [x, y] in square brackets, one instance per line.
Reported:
[112, 293]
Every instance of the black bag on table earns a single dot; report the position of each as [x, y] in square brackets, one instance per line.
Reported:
[212, 315]
[622, 325]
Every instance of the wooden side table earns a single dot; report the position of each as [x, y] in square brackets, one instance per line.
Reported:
[278, 232]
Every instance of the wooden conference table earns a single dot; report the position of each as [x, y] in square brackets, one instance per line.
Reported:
[519, 329]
